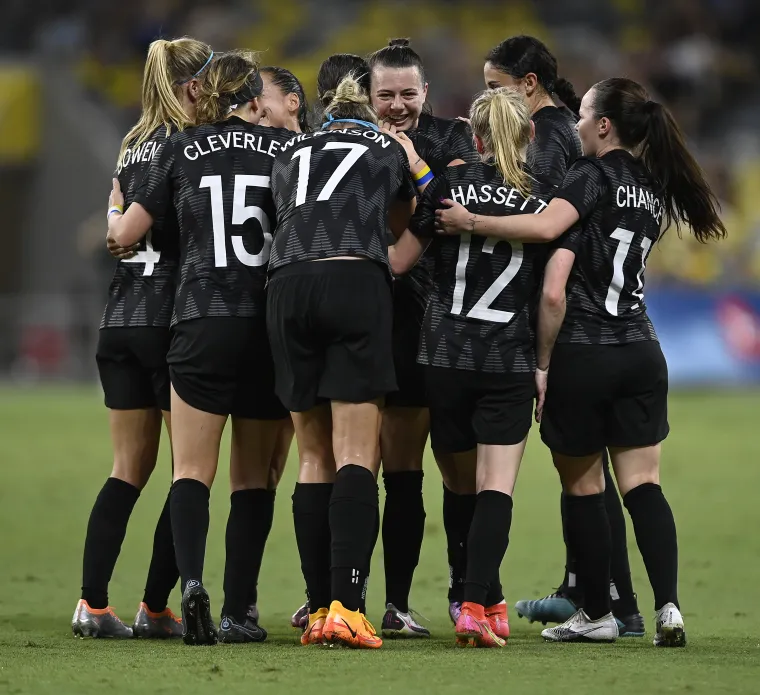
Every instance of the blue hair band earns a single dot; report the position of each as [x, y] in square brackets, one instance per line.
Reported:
[366, 124]
[205, 65]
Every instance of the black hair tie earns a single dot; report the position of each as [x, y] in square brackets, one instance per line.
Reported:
[250, 90]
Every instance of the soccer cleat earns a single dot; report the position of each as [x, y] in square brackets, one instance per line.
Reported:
[398, 624]
[474, 628]
[98, 622]
[670, 630]
[349, 629]
[455, 608]
[314, 628]
[196, 615]
[631, 625]
[233, 632]
[300, 619]
[498, 619]
[554, 608]
[580, 628]
[150, 625]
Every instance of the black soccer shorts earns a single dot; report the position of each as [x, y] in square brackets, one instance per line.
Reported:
[409, 303]
[468, 408]
[330, 328]
[223, 365]
[132, 367]
[602, 396]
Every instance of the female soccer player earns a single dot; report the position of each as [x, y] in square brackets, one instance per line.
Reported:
[478, 341]
[329, 315]
[216, 179]
[283, 100]
[609, 381]
[525, 63]
[131, 356]
[399, 90]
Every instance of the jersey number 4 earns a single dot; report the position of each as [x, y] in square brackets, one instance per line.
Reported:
[150, 256]
[240, 213]
[482, 309]
[617, 284]
[355, 151]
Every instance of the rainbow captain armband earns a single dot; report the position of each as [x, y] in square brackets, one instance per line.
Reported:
[423, 177]
[113, 209]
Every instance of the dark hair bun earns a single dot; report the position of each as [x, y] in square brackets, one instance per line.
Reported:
[399, 42]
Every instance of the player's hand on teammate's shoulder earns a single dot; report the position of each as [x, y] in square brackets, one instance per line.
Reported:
[452, 218]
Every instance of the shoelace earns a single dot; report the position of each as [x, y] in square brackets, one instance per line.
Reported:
[415, 614]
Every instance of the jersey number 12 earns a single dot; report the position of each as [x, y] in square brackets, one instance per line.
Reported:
[482, 309]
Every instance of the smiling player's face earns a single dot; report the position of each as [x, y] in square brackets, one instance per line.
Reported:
[588, 125]
[398, 95]
[495, 78]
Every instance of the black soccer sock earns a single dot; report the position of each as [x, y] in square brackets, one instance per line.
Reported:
[105, 534]
[364, 571]
[189, 509]
[570, 585]
[621, 590]
[264, 518]
[457, 518]
[487, 543]
[248, 526]
[495, 591]
[311, 519]
[403, 529]
[655, 530]
[588, 533]
[163, 573]
[353, 511]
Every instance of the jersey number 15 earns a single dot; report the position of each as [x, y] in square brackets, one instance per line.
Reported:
[240, 213]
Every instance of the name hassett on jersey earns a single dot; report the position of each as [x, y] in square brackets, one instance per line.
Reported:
[480, 315]
[218, 179]
[333, 189]
[620, 221]
[142, 289]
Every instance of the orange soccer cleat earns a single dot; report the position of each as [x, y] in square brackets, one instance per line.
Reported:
[499, 620]
[349, 628]
[474, 628]
[312, 634]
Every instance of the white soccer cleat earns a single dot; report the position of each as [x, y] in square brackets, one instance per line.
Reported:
[670, 630]
[580, 628]
[398, 624]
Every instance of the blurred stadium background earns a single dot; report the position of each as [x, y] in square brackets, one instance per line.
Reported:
[70, 73]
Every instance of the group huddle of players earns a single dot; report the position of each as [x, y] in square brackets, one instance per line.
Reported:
[365, 276]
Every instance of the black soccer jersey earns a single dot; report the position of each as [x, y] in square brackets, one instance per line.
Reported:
[480, 316]
[556, 145]
[333, 189]
[217, 178]
[142, 289]
[620, 219]
[438, 141]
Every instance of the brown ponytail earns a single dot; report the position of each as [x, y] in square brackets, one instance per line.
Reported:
[231, 79]
[678, 178]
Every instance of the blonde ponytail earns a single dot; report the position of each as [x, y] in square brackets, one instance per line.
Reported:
[169, 65]
[351, 101]
[501, 119]
[231, 79]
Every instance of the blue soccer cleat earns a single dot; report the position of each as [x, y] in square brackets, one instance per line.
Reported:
[554, 608]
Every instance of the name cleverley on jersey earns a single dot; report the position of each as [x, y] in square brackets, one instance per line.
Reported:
[500, 195]
[232, 140]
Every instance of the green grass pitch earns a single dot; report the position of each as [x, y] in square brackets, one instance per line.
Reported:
[54, 456]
